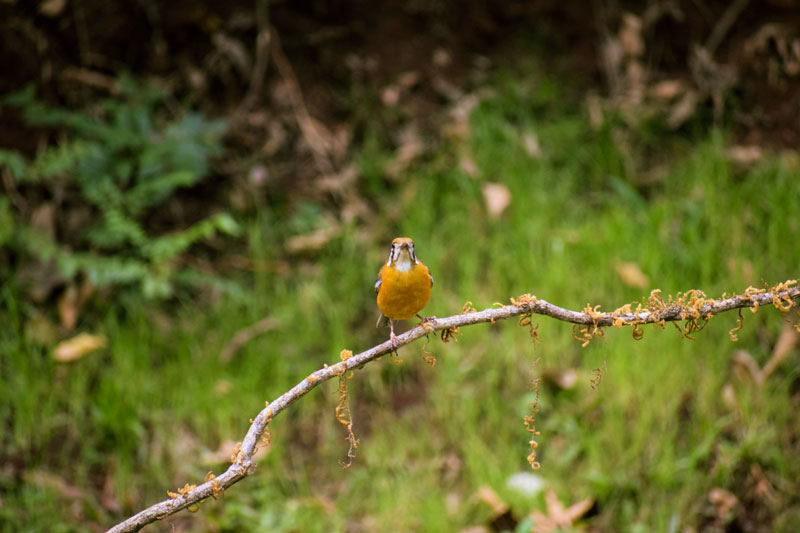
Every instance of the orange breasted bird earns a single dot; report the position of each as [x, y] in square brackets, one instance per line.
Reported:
[404, 284]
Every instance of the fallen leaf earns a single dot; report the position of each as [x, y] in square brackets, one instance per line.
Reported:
[667, 89]
[632, 275]
[107, 497]
[341, 182]
[452, 503]
[245, 335]
[488, 496]
[72, 302]
[68, 307]
[786, 342]
[43, 478]
[316, 240]
[723, 501]
[763, 489]
[390, 95]
[468, 165]
[77, 347]
[441, 58]
[683, 109]
[558, 516]
[531, 144]
[409, 147]
[459, 126]
[497, 197]
[746, 369]
[744, 155]
[729, 398]
[630, 35]
[52, 8]
[233, 49]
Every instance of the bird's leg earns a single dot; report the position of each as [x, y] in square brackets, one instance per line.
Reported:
[392, 336]
[427, 322]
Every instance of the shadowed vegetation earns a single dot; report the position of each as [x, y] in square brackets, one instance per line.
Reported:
[676, 430]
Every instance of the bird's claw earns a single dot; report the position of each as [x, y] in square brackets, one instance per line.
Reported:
[427, 322]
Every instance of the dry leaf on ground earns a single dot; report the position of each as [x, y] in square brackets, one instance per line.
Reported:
[487, 495]
[632, 275]
[497, 197]
[77, 347]
[558, 516]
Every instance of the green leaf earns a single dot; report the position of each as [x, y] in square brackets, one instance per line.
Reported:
[101, 270]
[155, 286]
[116, 230]
[6, 222]
[169, 246]
[14, 162]
[226, 224]
[153, 191]
[20, 98]
[120, 160]
[60, 160]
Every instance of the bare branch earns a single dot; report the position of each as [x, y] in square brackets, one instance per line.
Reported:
[783, 296]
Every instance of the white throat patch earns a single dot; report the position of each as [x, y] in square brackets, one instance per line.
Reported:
[403, 263]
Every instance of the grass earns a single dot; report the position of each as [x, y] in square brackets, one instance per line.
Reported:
[648, 445]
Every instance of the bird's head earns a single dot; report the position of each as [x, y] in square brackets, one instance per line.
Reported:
[402, 256]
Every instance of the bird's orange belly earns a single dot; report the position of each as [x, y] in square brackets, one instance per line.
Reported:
[403, 294]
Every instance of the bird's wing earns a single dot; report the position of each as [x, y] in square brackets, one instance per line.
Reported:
[431, 276]
[378, 288]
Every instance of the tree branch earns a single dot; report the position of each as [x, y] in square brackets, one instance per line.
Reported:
[691, 306]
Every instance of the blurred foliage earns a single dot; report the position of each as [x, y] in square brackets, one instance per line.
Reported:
[674, 423]
[113, 167]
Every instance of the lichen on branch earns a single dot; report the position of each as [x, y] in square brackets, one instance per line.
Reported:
[692, 308]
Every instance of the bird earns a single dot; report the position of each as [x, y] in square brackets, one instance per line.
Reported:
[403, 286]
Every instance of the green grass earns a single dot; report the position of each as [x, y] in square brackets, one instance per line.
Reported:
[648, 444]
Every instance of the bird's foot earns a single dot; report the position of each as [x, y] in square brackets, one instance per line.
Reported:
[394, 357]
[427, 322]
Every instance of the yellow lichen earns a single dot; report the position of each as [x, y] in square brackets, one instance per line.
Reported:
[236, 456]
[598, 376]
[740, 324]
[449, 334]
[182, 491]
[344, 417]
[530, 423]
[426, 355]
